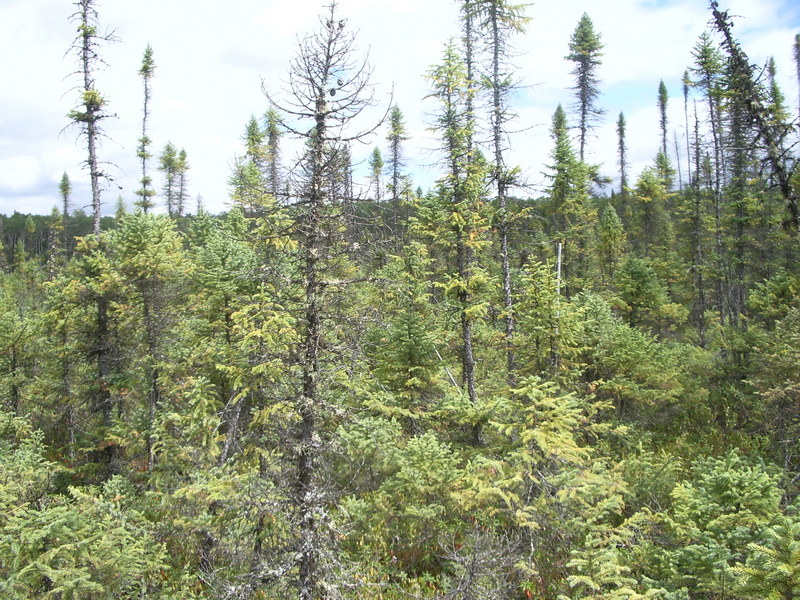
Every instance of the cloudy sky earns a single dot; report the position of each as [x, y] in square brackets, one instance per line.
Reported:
[212, 58]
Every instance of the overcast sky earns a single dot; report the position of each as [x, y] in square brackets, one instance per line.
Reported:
[211, 59]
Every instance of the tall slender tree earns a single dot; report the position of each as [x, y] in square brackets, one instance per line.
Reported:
[469, 42]
[687, 83]
[708, 69]
[697, 236]
[396, 137]
[65, 189]
[375, 171]
[92, 106]
[622, 152]
[146, 192]
[622, 207]
[461, 193]
[499, 20]
[585, 50]
[168, 165]
[663, 98]
[89, 115]
[182, 194]
[572, 217]
[273, 137]
[797, 62]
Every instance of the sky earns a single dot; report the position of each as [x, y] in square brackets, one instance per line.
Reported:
[214, 60]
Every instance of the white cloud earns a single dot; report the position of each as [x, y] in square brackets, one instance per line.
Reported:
[19, 173]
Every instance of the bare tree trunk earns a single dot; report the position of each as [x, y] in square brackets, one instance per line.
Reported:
[464, 260]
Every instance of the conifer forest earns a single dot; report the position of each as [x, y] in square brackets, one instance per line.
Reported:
[349, 387]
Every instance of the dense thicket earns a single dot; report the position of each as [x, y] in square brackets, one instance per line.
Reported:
[318, 395]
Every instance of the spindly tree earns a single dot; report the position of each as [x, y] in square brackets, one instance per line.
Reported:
[91, 109]
[395, 162]
[183, 183]
[498, 21]
[663, 98]
[396, 137]
[65, 189]
[146, 192]
[375, 171]
[273, 138]
[585, 50]
[797, 57]
[687, 82]
[622, 160]
[622, 153]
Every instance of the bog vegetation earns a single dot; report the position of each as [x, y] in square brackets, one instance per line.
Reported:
[464, 392]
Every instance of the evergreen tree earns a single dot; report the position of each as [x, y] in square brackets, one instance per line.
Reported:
[708, 68]
[622, 207]
[375, 171]
[65, 188]
[148, 264]
[395, 162]
[146, 71]
[572, 216]
[182, 195]
[651, 229]
[585, 50]
[687, 82]
[622, 153]
[168, 165]
[469, 42]
[398, 184]
[663, 97]
[273, 137]
[610, 241]
[461, 195]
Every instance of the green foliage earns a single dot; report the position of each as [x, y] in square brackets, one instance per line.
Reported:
[640, 292]
[610, 240]
[776, 377]
[714, 518]
[81, 546]
[645, 379]
[772, 568]
[649, 217]
[413, 508]
[771, 299]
